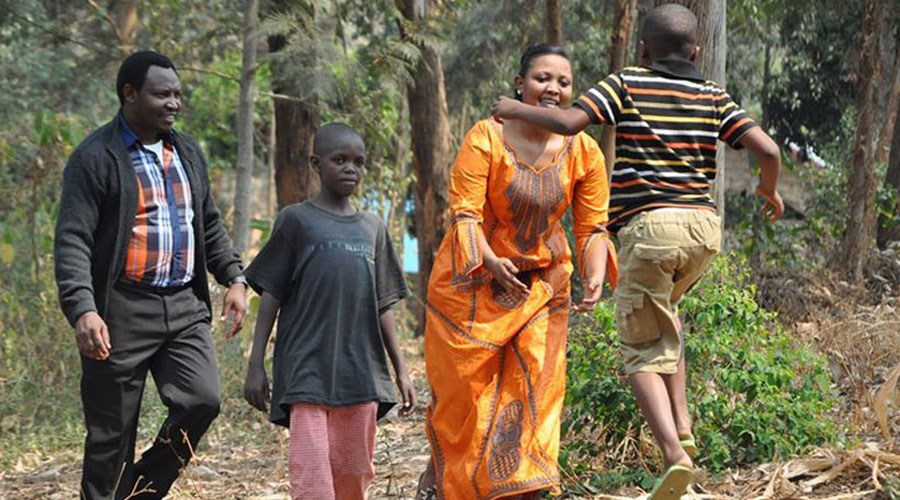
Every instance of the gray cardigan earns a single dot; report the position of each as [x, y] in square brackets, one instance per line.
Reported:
[96, 218]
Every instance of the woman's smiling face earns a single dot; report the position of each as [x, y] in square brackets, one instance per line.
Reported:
[548, 82]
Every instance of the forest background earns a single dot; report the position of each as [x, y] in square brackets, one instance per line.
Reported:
[794, 344]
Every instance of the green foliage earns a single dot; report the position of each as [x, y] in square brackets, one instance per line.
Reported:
[805, 241]
[754, 393]
[38, 359]
[813, 88]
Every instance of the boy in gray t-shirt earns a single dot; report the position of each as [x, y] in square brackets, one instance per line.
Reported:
[330, 273]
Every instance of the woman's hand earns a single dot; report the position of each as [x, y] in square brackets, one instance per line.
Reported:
[504, 272]
[593, 290]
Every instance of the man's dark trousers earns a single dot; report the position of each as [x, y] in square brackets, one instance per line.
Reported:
[167, 332]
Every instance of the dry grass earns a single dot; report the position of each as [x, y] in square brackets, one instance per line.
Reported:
[246, 459]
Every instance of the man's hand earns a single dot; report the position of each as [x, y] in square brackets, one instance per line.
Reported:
[235, 302]
[408, 392]
[92, 336]
[256, 387]
[504, 108]
[774, 206]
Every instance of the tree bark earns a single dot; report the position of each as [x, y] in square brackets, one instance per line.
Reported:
[554, 22]
[892, 181]
[890, 121]
[859, 237]
[620, 41]
[430, 134]
[125, 15]
[244, 177]
[294, 127]
[643, 7]
[767, 83]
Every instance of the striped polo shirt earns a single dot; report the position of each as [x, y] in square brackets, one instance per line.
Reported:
[161, 247]
[668, 119]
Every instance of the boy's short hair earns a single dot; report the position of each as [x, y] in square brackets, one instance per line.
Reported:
[326, 133]
[133, 70]
[670, 29]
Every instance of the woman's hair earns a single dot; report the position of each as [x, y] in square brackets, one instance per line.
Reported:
[535, 51]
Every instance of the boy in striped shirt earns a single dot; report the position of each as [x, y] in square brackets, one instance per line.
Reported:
[668, 119]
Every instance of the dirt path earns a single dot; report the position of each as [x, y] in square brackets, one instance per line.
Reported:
[246, 461]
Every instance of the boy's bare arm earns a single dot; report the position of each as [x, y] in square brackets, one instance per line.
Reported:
[769, 156]
[256, 385]
[407, 391]
[561, 121]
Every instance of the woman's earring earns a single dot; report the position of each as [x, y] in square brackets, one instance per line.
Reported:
[518, 92]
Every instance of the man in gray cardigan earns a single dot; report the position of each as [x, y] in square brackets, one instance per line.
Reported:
[137, 232]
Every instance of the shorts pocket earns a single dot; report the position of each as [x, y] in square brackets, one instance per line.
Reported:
[636, 322]
[707, 233]
[655, 253]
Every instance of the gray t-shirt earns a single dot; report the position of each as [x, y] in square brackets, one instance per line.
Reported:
[333, 275]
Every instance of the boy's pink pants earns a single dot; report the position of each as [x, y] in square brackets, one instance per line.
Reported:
[331, 451]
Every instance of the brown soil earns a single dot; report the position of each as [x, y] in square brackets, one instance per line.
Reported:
[241, 460]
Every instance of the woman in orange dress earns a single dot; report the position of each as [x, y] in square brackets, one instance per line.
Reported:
[499, 296]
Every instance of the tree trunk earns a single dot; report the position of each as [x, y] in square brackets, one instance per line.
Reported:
[711, 38]
[244, 177]
[643, 7]
[767, 82]
[620, 40]
[892, 181]
[890, 121]
[125, 15]
[554, 22]
[294, 126]
[430, 134]
[860, 232]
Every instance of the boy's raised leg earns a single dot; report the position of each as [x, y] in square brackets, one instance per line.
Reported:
[653, 399]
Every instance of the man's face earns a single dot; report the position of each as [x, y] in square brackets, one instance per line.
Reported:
[155, 106]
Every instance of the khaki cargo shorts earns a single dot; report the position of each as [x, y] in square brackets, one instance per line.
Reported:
[662, 254]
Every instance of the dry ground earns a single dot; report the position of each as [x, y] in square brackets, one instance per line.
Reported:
[247, 461]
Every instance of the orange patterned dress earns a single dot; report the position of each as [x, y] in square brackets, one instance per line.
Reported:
[496, 364]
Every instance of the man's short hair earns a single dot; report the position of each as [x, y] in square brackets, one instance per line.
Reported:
[134, 69]
[670, 29]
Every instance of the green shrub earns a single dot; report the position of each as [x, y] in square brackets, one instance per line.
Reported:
[754, 393]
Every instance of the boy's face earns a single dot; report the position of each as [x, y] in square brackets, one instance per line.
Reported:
[342, 164]
[548, 82]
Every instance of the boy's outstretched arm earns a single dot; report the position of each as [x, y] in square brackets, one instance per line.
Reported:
[561, 121]
[769, 156]
[256, 385]
[407, 391]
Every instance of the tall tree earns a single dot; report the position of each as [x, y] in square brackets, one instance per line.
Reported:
[891, 232]
[859, 235]
[430, 133]
[295, 117]
[554, 22]
[643, 7]
[125, 16]
[893, 100]
[620, 42]
[245, 157]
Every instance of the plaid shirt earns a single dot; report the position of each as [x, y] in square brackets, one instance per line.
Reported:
[161, 250]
